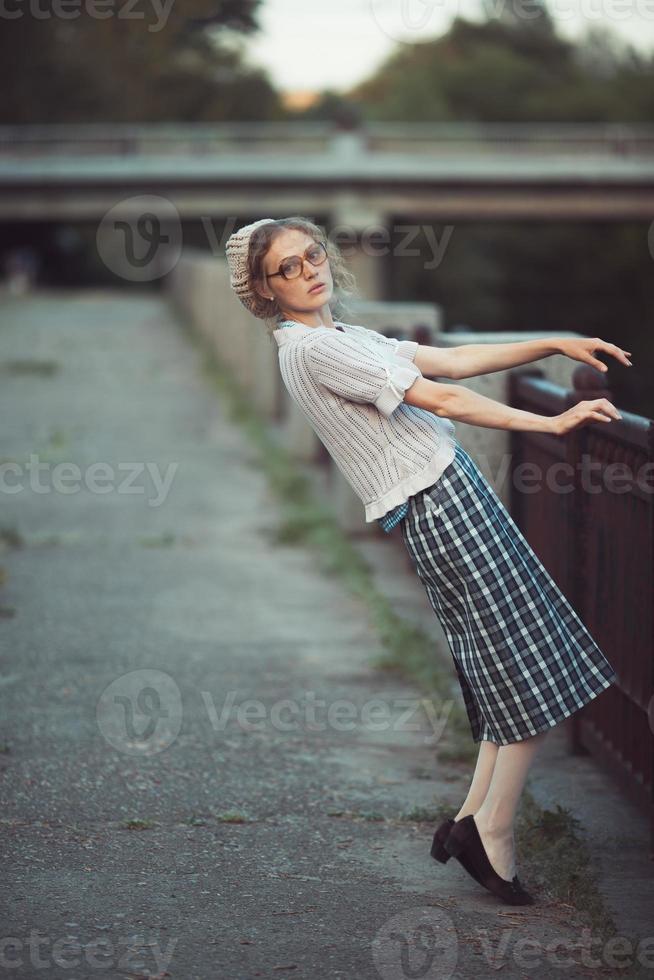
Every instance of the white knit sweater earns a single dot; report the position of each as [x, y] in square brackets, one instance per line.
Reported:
[350, 385]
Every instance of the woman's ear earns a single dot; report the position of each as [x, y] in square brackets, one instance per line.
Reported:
[262, 291]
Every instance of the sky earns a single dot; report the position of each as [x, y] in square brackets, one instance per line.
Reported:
[317, 44]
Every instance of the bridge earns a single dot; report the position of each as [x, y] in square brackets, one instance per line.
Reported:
[439, 171]
[362, 181]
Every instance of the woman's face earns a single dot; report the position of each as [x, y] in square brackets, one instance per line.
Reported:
[297, 295]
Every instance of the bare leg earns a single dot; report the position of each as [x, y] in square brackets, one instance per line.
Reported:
[495, 816]
[481, 779]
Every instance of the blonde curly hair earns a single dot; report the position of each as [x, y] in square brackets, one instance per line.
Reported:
[260, 242]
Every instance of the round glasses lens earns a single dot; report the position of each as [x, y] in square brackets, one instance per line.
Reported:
[292, 268]
[317, 254]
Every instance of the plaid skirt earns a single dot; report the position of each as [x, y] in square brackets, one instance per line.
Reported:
[524, 659]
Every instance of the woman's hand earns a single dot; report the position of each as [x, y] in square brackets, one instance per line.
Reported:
[595, 410]
[583, 348]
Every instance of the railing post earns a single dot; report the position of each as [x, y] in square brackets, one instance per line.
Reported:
[516, 442]
[650, 707]
[587, 384]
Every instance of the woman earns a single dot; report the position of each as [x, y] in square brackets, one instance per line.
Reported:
[523, 658]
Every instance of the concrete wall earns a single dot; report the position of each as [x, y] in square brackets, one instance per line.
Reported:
[397, 319]
[199, 288]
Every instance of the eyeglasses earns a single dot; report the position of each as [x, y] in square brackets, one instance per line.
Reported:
[292, 267]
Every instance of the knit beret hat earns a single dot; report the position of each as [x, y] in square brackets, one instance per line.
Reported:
[236, 250]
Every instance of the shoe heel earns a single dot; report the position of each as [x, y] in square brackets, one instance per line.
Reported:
[454, 845]
[438, 852]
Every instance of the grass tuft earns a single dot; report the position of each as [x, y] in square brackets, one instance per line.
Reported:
[139, 824]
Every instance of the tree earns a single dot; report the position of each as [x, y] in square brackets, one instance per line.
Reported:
[510, 67]
[178, 64]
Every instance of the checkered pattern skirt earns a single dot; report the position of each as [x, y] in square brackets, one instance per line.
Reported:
[524, 659]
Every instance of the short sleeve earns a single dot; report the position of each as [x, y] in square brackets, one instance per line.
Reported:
[360, 373]
[403, 348]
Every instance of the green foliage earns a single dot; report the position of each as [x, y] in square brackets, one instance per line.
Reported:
[182, 63]
[555, 854]
[138, 824]
[511, 68]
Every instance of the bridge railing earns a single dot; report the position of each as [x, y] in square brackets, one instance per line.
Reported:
[597, 542]
[539, 139]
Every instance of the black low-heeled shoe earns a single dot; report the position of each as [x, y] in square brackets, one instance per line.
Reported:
[464, 841]
[439, 852]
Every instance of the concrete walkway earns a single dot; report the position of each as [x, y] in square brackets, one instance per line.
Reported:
[203, 775]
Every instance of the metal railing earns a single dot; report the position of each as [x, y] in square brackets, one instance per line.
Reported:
[537, 139]
[597, 542]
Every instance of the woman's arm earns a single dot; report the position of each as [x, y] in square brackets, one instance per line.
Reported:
[470, 360]
[463, 405]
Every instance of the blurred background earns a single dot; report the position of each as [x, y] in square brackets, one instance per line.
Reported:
[494, 158]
